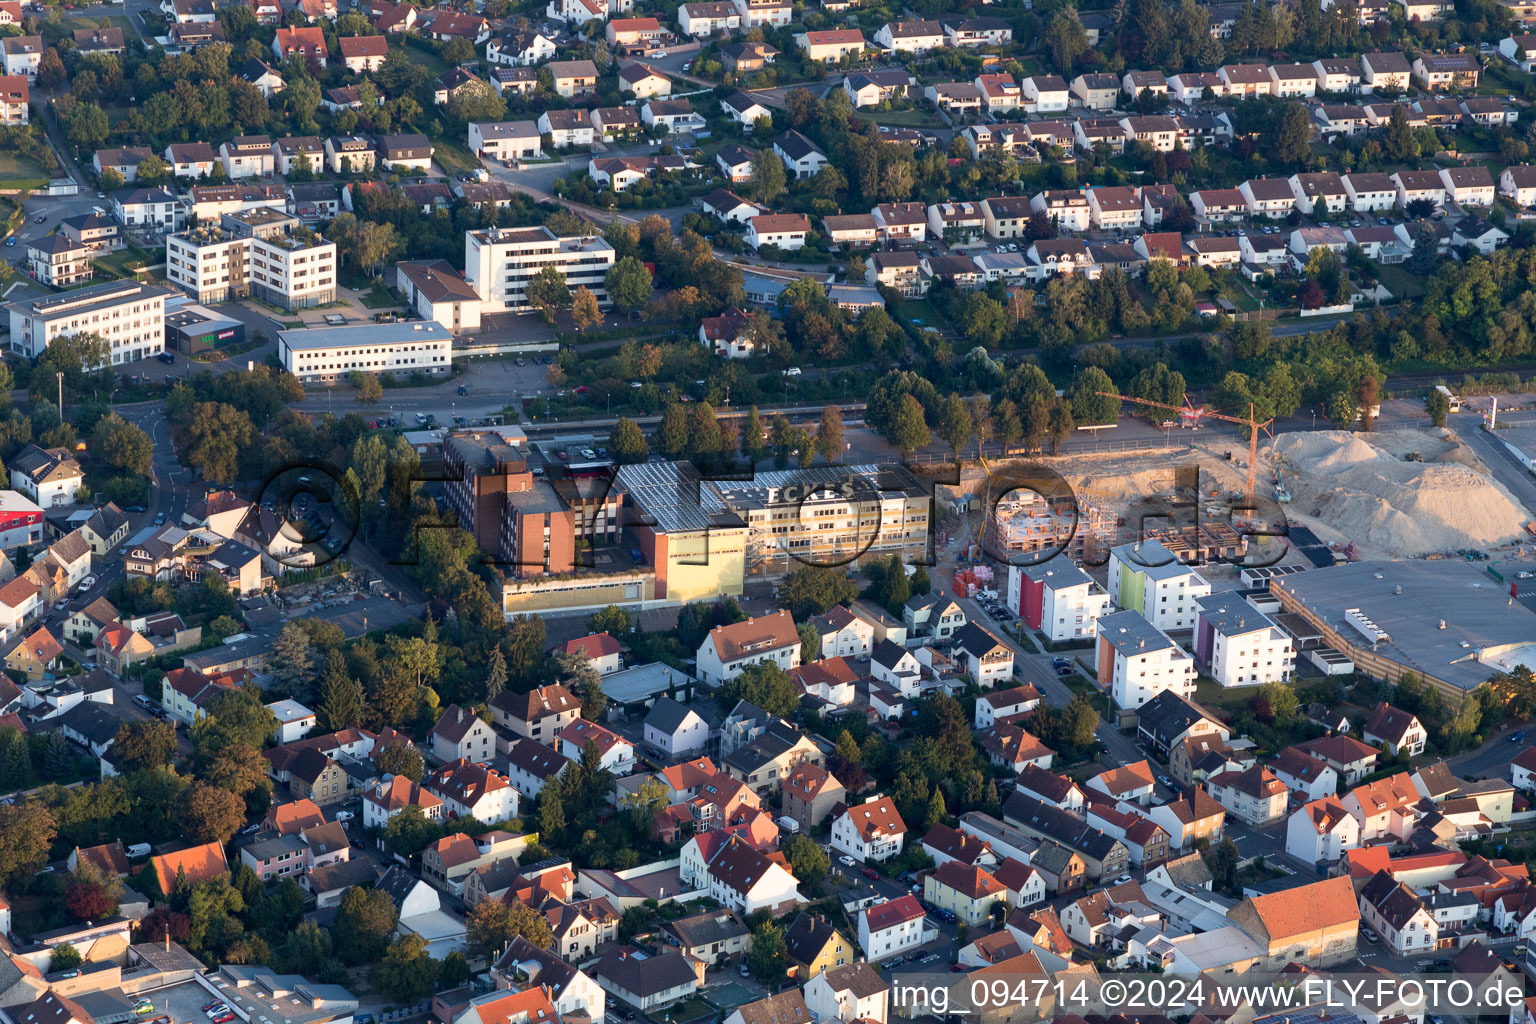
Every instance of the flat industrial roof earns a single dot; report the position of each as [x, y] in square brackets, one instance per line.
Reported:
[87, 299]
[1483, 625]
[364, 334]
[675, 496]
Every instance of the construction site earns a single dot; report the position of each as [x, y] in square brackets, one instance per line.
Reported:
[1379, 495]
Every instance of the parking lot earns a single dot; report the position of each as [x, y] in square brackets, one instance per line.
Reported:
[182, 1003]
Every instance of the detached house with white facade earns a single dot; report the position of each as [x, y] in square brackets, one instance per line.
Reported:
[870, 831]
[727, 650]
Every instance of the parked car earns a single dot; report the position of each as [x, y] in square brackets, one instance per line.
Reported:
[870, 873]
[1517, 737]
[847, 861]
[88, 583]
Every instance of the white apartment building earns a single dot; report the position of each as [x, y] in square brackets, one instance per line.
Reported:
[757, 13]
[326, 354]
[1138, 661]
[130, 316]
[1148, 578]
[1239, 646]
[506, 140]
[499, 263]
[1057, 598]
[259, 252]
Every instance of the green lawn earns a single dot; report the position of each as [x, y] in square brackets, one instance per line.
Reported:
[453, 158]
[1211, 694]
[125, 262]
[111, 20]
[914, 118]
[17, 167]
[378, 297]
[1401, 282]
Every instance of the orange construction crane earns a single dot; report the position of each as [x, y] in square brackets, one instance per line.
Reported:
[1188, 412]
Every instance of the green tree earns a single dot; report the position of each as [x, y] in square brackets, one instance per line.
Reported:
[628, 284]
[955, 425]
[1438, 407]
[64, 957]
[1398, 141]
[15, 761]
[369, 388]
[365, 920]
[122, 445]
[492, 925]
[1064, 39]
[401, 759]
[548, 293]
[811, 590]
[495, 674]
[408, 973]
[1282, 701]
[829, 434]
[767, 956]
[937, 812]
[551, 813]
[807, 860]
[1293, 140]
[147, 744]
[27, 831]
[410, 831]
[59, 760]
[764, 684]
[1092, 397]
[85, 125]
[291, 660]
[767, 181]
[214, 439]
[209, 813]
[341, 696]
[908, 430]
[810, 643]
[754, 444]
[627, 443]
[672, 436]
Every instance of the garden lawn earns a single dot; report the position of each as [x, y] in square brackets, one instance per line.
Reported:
[16, 167]
[914, 118]
[453, 158]
[126, 262]
[1400, 281]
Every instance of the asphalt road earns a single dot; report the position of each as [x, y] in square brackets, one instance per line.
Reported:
[1501, 462]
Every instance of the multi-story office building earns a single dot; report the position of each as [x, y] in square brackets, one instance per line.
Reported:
[326, 354]
[128, 315]
[259, 252]
[499, 263]
[829, 515]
